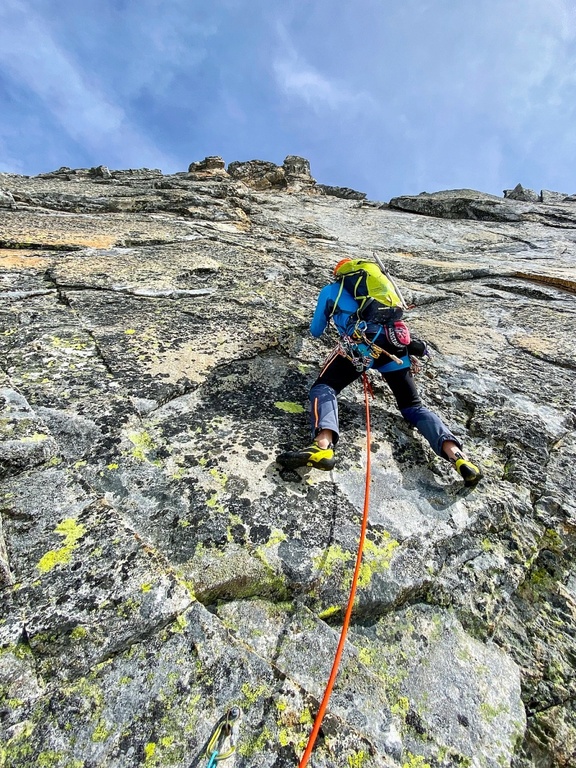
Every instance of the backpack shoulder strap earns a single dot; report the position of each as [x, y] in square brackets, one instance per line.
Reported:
[337, 298]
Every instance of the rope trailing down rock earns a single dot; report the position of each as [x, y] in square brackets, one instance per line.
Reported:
[345, 624]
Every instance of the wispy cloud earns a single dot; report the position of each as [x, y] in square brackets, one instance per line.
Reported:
[298, 79]
[490, 97]
[31, 57]
[387, 97]
[149, 44]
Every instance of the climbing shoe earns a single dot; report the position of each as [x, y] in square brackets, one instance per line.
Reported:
[468, 471]
[313, 456]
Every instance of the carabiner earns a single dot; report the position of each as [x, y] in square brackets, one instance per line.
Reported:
[227, 728]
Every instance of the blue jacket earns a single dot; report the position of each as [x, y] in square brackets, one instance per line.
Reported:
[344, 322]
[345, 308]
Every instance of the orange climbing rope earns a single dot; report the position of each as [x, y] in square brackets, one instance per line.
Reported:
[346, 622]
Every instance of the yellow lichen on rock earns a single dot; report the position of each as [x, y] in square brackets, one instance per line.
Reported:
[71, 530]
[290, 407]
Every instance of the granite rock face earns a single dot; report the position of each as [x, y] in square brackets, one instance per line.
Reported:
[157, 568]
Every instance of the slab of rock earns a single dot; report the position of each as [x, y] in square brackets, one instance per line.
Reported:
[157, 567]
[80, 611]
[213, 163]
[344, 192]
[546, 196]
[25, 440]
[457, 696]
[291, 639]
[297, 173]
[459, 204]
[6, 199]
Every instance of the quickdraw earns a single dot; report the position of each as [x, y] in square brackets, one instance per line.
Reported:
[350, 349]
[418, 364]
[225, 731]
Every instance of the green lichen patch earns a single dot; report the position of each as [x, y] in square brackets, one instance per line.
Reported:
[251, 694]
[357, 759]
[415, 761]
[333, 557]
[78, 633]
[37, 437]
[289, 407]
[149, 751]
[74, 342]
[330, 612]
[234, 573]
[376, 558]
[143, 444]
[256, 744]
[71, 531]
[137, 591]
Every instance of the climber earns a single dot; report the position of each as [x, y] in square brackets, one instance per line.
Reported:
[357, 352]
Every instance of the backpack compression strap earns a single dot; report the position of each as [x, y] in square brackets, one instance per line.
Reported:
[361, 299]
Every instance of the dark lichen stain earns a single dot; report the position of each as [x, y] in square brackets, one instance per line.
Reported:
[260, 534]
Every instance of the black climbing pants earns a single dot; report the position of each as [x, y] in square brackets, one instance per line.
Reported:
[339, 372]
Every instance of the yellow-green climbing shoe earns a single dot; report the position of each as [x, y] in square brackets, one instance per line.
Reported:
[469, 472]
[313, 456]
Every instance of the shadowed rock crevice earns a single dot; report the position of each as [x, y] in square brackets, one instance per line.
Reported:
[45, 247]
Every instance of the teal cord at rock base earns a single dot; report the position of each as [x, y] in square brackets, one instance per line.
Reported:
[345, 624]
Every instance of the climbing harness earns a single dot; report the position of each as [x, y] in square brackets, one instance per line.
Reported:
[225, 731]
[358, 348]
[352, 596]
[352, 351]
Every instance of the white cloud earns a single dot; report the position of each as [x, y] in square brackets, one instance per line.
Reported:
[33, 59]
[298, 79]
[162, 41]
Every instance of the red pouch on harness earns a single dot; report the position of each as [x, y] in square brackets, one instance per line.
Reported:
[398, 334]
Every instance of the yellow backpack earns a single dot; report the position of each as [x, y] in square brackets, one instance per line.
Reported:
[377, 296]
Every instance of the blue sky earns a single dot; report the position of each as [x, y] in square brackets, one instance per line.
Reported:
[388, 97]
